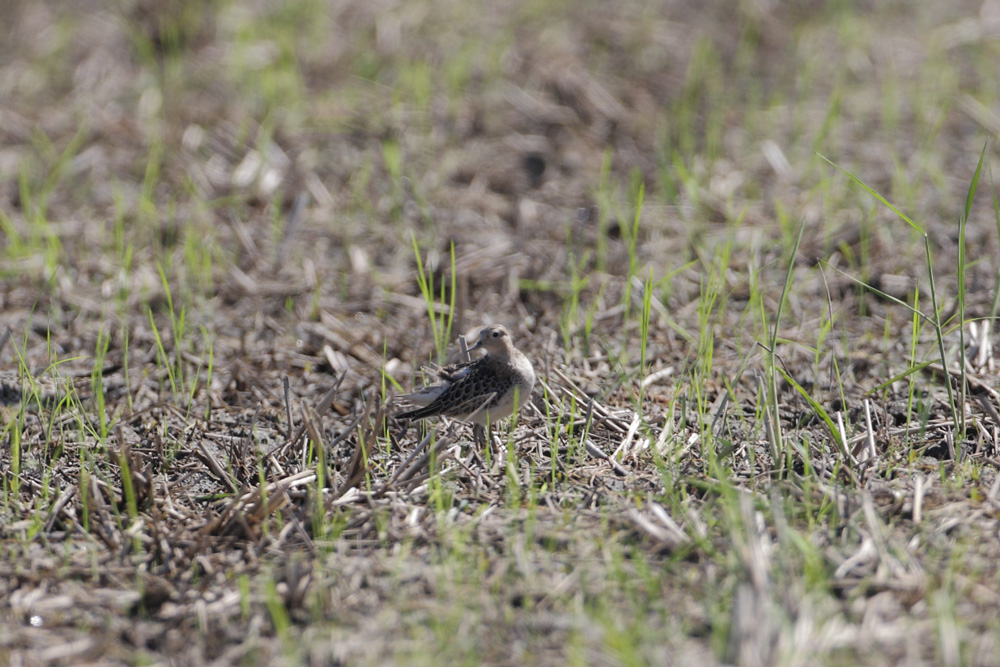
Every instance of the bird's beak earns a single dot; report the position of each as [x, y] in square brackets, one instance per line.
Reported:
[475, 346]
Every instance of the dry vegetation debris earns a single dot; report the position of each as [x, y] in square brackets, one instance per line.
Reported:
[214, 216]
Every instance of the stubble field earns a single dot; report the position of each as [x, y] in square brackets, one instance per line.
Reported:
[751, 249]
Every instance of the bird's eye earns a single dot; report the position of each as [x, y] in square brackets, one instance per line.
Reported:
[496, 334]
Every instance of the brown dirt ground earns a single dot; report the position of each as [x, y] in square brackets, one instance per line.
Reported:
[236, 555]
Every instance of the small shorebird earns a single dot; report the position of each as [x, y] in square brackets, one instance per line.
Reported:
[480, 391]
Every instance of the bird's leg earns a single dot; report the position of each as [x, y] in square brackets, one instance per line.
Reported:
[477, 445]
[490, 442]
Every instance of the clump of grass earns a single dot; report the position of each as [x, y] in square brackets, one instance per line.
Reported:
[440, 322]
[934, 318]
[779, 452]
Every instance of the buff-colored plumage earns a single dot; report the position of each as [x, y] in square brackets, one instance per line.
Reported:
[499, 383]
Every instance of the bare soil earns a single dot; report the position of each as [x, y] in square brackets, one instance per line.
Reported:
[209, 213]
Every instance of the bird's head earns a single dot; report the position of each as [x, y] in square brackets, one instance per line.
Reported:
[495, 339]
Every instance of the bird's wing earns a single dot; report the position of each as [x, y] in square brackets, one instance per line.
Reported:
[448, 376]
[473, 403]
[426, 395]
[454, 372]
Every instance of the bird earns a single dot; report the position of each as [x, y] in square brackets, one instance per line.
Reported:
[482, 391]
